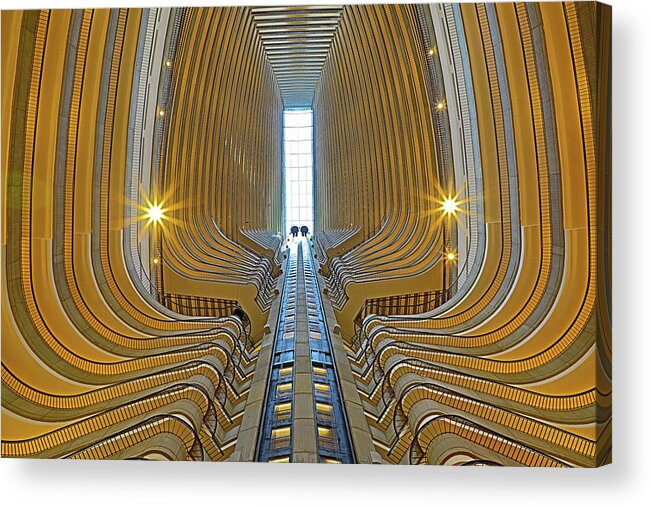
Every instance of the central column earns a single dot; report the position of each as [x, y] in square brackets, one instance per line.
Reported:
[304, 448]
[304, 419]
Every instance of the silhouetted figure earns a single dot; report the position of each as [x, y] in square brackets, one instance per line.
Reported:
[304, 230]
[238, 312]
[294, 231]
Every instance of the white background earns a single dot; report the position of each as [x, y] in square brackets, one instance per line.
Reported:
[625, 483]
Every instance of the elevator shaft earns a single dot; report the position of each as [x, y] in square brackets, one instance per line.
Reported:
[304, 419]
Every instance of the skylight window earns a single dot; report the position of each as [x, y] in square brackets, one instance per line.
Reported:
[299, 206]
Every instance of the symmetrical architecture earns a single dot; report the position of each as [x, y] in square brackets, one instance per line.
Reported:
[448, 304]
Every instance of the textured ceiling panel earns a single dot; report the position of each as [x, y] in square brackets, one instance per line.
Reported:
[296, 40]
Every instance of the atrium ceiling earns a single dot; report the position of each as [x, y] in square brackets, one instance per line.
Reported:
[297, 41]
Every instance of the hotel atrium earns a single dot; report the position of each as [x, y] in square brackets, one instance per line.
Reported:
[449, 304]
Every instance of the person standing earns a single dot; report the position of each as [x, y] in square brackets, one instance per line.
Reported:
[304, 230]
[294, 231]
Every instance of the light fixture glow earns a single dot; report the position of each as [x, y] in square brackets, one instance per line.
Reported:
[450, 256]
[155, 260]
[161, 112]
[155, 213]
[168, 63]
[431, 52]
[440, 106]
[450, 206]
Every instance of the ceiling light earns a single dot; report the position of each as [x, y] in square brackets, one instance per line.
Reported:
[450, 206]
[155, 213]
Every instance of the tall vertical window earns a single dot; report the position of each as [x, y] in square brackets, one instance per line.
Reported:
[299, 208]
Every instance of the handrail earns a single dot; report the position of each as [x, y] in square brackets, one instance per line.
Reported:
[196, 306]
[391, 305]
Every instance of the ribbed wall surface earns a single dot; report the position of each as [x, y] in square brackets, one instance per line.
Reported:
[92, 365]
[375, 159]
[512, 368]
[220, 166]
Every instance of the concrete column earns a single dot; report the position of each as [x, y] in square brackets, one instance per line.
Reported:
[360, 433]
[304, 444]
[247, 438]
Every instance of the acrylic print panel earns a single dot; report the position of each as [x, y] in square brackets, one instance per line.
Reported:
[443, 299]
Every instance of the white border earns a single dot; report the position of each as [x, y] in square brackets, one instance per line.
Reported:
[627, 482]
